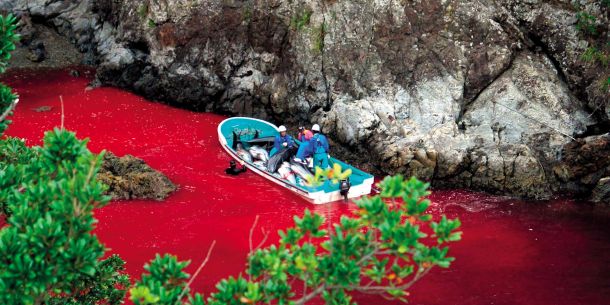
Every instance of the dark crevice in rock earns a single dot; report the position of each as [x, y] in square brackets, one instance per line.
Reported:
[141, 46]
[466, 103]
[540, 46]
[328, 103]
[596, 129]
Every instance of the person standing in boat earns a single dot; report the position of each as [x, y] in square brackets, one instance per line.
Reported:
[304, 136]
[282, 141]
[318, 148]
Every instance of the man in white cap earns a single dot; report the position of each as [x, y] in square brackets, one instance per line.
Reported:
[282, 141]
[318, 148]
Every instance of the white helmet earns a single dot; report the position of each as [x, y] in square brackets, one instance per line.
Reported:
[281, 128]
[315, 127]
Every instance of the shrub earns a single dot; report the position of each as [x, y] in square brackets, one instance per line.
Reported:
[47, 252]
[586, 23]
[8, 38]
[593, 55]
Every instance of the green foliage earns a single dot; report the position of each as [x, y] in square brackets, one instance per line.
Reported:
[593, 55]
[247, 14]
[162, 284]
[107, 285]
[14, 156]
[47, 252]
[389, 244]
[300, 20]
[318, 38]
[590, 54]
[143, 11]
[586, 23]
[151, 23]
[8, 38]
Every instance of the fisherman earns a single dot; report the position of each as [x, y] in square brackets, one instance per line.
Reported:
[318, 148]
[282, 141]
[304, 136]
[233, 170]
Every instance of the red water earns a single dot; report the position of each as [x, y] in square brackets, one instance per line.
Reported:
[513, 252]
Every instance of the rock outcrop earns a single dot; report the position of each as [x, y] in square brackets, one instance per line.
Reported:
[482, 94]
[128, 178]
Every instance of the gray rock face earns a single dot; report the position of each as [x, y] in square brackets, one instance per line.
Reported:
[479, 94]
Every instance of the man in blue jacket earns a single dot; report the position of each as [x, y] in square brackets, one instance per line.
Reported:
[282, 141]
[318, 148]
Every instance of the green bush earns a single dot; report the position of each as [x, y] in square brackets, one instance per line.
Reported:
[47, 252]
[384, 249]
[586, 23]
[8, 37]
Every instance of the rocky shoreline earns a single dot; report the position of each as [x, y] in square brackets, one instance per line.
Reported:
[487, 95]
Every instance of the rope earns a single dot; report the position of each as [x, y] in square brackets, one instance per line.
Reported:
[537, 121]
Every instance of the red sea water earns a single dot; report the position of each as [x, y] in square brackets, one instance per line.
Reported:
[513, 252]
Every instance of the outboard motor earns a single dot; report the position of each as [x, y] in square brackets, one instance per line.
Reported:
[344, 186]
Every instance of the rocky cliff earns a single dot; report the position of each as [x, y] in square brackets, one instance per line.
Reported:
[495, 95]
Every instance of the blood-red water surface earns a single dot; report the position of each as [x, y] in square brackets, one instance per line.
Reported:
[512, 252]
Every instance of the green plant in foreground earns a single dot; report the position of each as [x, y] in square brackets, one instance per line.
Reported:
[8, 38]
[389, 244]
[14, 156]
[47, 252]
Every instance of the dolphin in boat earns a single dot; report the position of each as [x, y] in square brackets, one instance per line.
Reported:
[286, 173]
[300, 170]
[276, 160]
[242, 153]
[263, 140]
[259, 153]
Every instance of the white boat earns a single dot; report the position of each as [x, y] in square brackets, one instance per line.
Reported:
[250, 131]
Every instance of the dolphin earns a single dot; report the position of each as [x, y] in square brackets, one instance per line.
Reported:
[259, 153]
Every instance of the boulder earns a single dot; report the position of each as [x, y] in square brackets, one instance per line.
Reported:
[129, 178]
